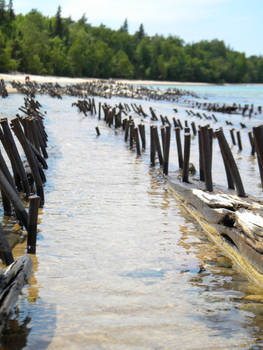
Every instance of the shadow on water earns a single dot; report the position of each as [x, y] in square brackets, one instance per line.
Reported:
[30, 316]
[15, 335]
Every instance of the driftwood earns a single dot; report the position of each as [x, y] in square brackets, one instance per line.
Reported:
[12, 280]
[251, 223]
[230, 221]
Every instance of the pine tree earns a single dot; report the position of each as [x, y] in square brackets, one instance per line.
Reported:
[11, 10]
[140, 33]
[124, 27]
[2, 11]
[58, 30]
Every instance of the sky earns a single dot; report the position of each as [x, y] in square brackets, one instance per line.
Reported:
[238, 22]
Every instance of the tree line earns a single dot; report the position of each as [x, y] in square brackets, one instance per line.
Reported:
[38, 44]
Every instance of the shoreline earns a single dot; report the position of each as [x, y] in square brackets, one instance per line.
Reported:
[68, 80]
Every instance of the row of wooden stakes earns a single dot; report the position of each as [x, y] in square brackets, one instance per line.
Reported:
[136, 136]
[23, 181]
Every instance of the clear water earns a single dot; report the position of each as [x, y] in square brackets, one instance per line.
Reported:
[118, 259]
[245, 93]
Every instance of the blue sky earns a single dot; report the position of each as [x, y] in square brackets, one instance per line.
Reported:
[237, 22]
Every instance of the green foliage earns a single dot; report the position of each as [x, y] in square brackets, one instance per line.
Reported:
[33, 43]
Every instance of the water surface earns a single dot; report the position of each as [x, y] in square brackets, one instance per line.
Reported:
[120, 264]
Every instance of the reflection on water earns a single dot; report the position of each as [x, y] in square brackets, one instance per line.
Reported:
[120, 264]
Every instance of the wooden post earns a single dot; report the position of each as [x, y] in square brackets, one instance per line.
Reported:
[34, 202]
[152, 146]
[187, 146]
[5, 170]
[42, 137]
[180, 124]
[157, 144]
[137, 141]
[239, 141]
[233, 136]
[97, 131]
[126, 133]
[142, 134]
[94, 105]
[201, 156]
[166, 151]
[207, 158]
[225, 149]
[230, 181]
[258, 140]
[131, 134]
[252, 143]
[13, 197]
[13, 154]
[99, 117]
[193, 128]
[42, 144]
[5, 249]
[6, 204]
[163, 138]
[32, 161]
[175, 122]
[179, 147]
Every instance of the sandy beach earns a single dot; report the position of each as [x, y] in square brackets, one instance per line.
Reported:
[20, 77]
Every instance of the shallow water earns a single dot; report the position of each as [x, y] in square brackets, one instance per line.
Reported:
[120, 264]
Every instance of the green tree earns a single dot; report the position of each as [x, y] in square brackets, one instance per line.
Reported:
[121, 66]
[58, 27]
[124, 27]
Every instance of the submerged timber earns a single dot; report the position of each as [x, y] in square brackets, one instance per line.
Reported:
[233, 223]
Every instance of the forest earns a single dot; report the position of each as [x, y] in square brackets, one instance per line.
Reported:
[38, 44]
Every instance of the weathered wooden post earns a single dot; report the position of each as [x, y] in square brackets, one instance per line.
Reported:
[13, 197]
[11, 150]
[34, 202]
[126, 132]
[131, 134]
[166, 151]
[99, 116]
[225, 149]
[158, 145]
[33, 162]
[233, 136]
[142, 134]
[252, 143]
[175, 122]
[180, 124]
[201, 156]
[187, 146]
[152, 146]
[137, 141]
[207, 157]
[42, 143]
[193, 128]
[97, 131]
[5, 249]
[239, 141]
[258, 140]
[179, 147]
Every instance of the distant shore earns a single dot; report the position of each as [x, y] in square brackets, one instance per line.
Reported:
[67, 80]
